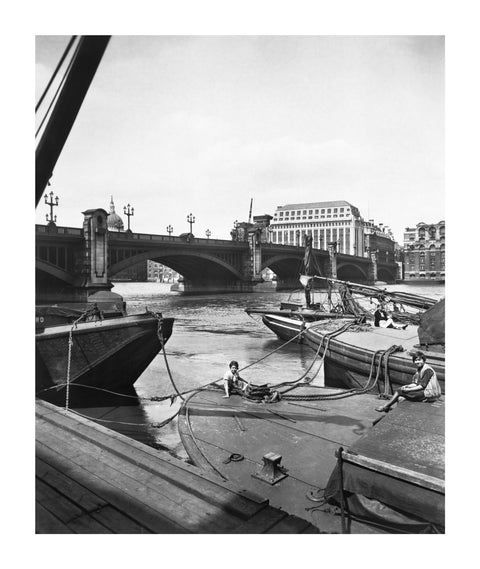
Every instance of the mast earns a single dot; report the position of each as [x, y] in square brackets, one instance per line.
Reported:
[85, 62]
[250, 213]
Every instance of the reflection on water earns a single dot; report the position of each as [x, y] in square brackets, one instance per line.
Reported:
[208, 332]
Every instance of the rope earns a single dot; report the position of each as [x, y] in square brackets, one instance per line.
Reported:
[69, 355]
[353, 391]
[154, 425]
[326, 337]
[273, 351]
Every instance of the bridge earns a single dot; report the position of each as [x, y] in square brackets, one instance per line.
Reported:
[72, 263]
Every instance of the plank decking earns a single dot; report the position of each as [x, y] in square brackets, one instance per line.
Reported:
[92, 480]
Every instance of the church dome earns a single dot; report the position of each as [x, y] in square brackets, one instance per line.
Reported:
[114, 221]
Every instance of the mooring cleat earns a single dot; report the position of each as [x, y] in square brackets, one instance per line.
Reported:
[271, 472]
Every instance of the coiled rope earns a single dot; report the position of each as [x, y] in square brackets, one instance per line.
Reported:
[383, 355]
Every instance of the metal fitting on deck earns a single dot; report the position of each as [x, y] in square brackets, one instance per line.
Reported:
[271, 472]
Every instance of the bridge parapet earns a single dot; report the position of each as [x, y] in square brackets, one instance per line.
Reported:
[114, 236]
[71, 231]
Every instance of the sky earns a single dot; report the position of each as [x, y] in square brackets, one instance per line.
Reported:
[200, 124]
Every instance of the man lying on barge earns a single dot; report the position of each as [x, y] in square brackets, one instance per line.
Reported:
[424, 386]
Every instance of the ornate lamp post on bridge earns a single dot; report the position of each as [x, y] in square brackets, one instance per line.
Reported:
[191, 221]
[52, 204]
[128, 212]
[208, 233]
[235, 225]
[169, 230]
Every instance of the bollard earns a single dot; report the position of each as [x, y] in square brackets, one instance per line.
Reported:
[271, 472]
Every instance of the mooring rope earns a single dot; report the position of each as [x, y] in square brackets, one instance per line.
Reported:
[161, 339]
[69, 353]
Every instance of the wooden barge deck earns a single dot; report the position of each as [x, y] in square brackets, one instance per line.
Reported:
[92, 480]
[403, 450]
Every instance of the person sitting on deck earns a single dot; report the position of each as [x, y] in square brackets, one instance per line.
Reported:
[232, 382]
[424, 386]
[382, 319]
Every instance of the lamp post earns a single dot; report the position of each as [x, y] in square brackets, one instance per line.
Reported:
[52, 204]
[208, 233]
[169, 230]
[128, 212]
[191, 221]
[235, 225]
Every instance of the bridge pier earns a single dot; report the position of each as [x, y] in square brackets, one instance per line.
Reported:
[91, 284]
[189, 287]
[373, 268]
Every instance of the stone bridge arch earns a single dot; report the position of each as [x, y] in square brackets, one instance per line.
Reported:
[45, 268]
[348, 271]
[185, 261]
[386, 275]
[288, 267]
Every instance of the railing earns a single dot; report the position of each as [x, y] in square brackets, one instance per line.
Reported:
[59, 230]
[117, 236]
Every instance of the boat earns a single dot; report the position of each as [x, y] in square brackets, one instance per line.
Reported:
[91, 351]
[288, 452]
[362, 356]
[336, 299]
[88, 339]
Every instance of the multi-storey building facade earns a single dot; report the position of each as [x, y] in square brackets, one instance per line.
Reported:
[424, 251]
[379, 239]
[326, 222]
[337, 222]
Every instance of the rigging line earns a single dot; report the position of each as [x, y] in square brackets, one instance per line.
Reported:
[155, 425]
[52, 78]
[272, 352]
[56, 386]
[326, 337]
[62, 82]
[194, 438]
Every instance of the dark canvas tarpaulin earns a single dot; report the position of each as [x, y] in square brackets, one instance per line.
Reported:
[432, 325]
[385, 500]
[395, 474]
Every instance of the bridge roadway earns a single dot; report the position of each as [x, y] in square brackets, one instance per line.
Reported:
[207, 265]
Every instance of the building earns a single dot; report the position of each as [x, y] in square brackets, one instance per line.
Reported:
[378, 239]
[424, 252]
[156, 272]
[337, 222]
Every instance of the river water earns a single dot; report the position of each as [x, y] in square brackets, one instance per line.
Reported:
[209, 331]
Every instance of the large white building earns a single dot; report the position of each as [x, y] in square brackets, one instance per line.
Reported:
[327, 222]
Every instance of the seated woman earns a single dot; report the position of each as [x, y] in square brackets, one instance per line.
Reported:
[382, 319]
[424, 386]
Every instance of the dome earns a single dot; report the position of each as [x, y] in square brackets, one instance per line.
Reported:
[114, 221]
